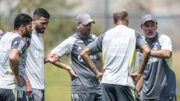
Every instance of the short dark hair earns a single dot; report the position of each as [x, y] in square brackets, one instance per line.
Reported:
[120, 15]
[40, 12]
[22, 19]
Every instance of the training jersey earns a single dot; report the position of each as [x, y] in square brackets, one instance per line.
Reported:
[118, 46]
[9, 41]
[159, 77]
[86, 82]
[35, 61]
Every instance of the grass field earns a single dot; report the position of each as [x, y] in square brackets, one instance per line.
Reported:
[58, 81]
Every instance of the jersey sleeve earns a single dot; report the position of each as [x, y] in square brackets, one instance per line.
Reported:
[19, 44]
[140, 41]
[166, 43]
[65, 47]
[96, 46]
[1, 35]
[139, 58]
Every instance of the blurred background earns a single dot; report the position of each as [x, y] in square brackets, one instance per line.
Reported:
[62, 25]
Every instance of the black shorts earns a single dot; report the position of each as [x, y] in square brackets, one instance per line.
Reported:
[6, 95]
[112, 92]
[86, 97]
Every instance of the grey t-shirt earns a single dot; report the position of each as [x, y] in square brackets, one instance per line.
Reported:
[159, 77]
[35, 61]
[8, 42]
[86, 82]
[118, 46]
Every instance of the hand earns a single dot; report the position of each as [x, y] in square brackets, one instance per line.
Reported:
[139, 50]
[29, 88]
[72, 73]
[99, 76]
[136, 76]
[54, 56]
[20, 81]
[50, 60]
[139, 95]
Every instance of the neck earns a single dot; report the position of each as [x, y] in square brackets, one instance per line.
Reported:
[151, 39]
[82, 36]
[121, 23]
[18, 32]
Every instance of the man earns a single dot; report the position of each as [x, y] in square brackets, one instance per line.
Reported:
[118, 46]
[159, 78]
[12, 54]
[35, 57]
[84, 86]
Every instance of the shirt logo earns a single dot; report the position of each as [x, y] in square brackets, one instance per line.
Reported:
[79, 48]
[152, 60]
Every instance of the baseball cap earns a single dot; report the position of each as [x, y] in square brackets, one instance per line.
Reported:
[84, 19]
[148, 17]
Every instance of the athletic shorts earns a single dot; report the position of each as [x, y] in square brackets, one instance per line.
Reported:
[112, 92]
[21, 95]
[168, 98]
[87, 97]
[6, 95]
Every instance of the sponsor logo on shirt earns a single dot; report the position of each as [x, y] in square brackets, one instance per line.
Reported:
[152, 60]
[38, 54]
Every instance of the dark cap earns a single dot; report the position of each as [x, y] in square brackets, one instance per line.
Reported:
[84, 19]
[148, 17]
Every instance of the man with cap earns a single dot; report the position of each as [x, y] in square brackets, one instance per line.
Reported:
[158, 82]
[84, 85]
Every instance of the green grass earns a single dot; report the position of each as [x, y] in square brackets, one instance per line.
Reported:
[58, 81]
[176, 59]
[57, 84]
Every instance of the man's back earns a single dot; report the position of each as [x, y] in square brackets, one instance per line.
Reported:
[119, 44]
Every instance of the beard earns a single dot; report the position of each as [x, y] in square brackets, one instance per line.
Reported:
[150, 36]
[38, 29]
[85, 32]
[27, 33]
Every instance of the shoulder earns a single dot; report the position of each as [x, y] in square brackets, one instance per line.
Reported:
[163, 37]
[17, 37]
[71, 39]
[18, 40]
[92, 36]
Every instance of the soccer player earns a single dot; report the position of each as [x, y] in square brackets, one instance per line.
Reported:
[84, 85]
[158, 82]
[35, 57]
[118, 46]
[12, 56]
